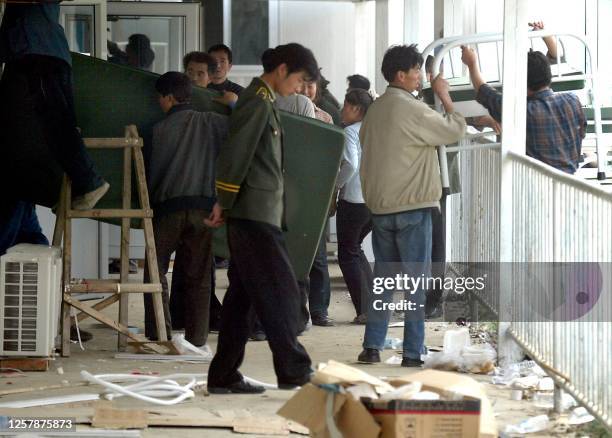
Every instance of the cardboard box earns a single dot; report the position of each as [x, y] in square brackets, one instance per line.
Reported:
[465, 412]
[427, 418]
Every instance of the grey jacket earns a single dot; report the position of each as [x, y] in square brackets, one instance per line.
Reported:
[296, 104]
[180, 163]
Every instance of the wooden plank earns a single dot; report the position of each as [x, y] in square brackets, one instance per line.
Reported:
[60, 218]
[111, 323]
[111, 143]
[66, 277]
[110, 213]
[25, 363]
[101, 305]
[40, 388]
[143, 195]
[108, 417]
[124, 274]
[116, 288]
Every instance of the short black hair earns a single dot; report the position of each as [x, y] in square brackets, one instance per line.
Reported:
[295, 56]
[140, 46]
[221, 48]
[359, 98]
[201, 58]
[176, 84]
[358, 81]
[400, 58]
[538, 71]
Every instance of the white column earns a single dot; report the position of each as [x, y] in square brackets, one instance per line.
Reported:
[514, 123]
[100, 30]
[382, 41]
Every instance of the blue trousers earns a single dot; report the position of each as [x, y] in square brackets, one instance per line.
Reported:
[19, 224]
[402, 245]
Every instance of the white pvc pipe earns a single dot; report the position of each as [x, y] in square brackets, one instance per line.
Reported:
[151, 388]
[180, 393]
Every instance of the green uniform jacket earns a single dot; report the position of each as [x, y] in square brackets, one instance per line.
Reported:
[250, 170]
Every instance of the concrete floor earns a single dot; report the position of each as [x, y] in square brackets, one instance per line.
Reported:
[341, 343]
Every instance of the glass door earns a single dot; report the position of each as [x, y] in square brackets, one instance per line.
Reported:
[84, 23]
[153, 36]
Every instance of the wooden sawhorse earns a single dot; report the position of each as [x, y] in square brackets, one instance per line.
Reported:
[131, 145]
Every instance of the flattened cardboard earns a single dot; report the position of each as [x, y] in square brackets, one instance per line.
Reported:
[336, 372]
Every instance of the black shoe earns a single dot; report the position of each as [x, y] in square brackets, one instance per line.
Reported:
[242, 387]
[408, 362]
[296, 384]
[369, 355]
[85, 336]
[258, 336]
[322, 321]
[360, 319]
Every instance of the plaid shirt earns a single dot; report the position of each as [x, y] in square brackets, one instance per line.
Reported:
[556, 125]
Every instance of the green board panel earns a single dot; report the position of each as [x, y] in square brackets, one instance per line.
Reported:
[109, 96]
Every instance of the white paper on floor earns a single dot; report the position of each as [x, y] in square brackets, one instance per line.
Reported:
[531, 425]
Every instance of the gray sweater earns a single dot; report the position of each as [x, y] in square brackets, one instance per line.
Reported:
[180, 163]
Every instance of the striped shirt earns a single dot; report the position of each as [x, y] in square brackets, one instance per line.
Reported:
[556, 125]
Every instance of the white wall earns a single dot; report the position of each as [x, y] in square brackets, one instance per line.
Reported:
[85, 254]
[328, 29]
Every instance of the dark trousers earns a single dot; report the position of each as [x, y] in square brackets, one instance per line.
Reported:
[37, 95]
[354, 223]
[177, 298]
[438, 252]
[185, 233]
[19, 224]
[260, 275]
[316, 288]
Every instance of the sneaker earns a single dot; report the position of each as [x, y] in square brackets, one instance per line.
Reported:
[74, 336]
[241, 387]
[360, 319]
[408, 362]
[258, 336]
[90, 199]
[369, 355]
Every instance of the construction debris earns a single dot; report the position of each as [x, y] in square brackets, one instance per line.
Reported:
[459, 355]
[530, 425]
[345, 401]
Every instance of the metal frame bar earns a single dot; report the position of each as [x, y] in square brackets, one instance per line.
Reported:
[450, 43]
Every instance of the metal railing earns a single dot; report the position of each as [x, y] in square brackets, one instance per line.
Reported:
[473, 214]
[564, 219]
[556, 218]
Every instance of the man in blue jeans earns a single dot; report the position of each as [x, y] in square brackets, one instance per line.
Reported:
[400, 179]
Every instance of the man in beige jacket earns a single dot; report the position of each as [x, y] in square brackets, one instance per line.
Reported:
[400, 177]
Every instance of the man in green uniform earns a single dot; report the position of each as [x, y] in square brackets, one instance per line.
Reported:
[250, 192]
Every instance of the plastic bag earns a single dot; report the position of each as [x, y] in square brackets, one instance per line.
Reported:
[186, 347]
[476, 359]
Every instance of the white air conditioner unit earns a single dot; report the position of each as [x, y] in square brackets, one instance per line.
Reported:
[30, 300]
